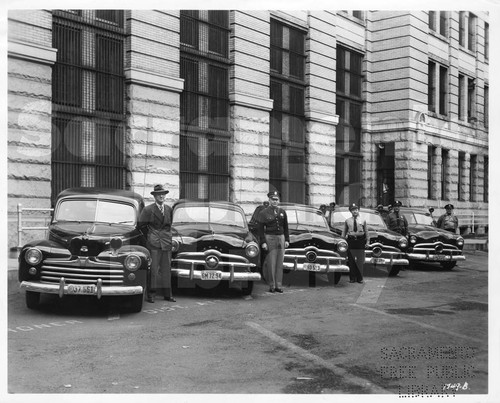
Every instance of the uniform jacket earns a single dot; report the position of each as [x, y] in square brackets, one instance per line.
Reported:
[398, 224]
[157, 226]
[448, 222]
[272, 223]
[349, 228]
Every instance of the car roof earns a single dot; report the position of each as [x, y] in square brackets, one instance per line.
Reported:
[102, 193]
[299, 206]
[415, 210]
[361, 209]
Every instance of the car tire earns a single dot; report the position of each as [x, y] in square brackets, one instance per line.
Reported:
[394, 271]
[448, 265]
[334, 277]
[32, 299]
[247, 290]
[136, 302]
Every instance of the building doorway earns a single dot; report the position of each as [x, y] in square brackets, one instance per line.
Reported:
[385, 174]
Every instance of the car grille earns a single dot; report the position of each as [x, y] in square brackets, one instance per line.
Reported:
[388, 252]
[225, 261]
[82, 270]
[437, 248]
[312, 254]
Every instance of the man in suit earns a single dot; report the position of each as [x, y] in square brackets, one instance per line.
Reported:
[156, 219]
[274, 237]
[356, 234]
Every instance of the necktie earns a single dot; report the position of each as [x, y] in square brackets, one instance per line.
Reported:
[355, 227]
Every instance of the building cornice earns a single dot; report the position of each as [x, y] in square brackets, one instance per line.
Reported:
[250, 101]
[32, 52]
[321, 117]
[149, 79]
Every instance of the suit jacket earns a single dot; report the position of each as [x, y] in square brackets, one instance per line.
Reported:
[157, 226]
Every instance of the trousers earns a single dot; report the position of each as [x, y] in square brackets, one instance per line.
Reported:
[160, 273]
[273, 264]
[356, 258]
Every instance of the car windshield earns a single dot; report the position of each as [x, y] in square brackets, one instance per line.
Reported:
[418, 218]
[92, 210]
[371, 219]
[306, 218]
[209, 214]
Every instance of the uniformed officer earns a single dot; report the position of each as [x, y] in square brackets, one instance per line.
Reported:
[448, 221]
[274, 238]
[396, 221]
[358, 238]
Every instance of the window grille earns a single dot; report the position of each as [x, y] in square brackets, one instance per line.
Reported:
[205, 137]
[444, 174]
[287, 127]
[88, 87]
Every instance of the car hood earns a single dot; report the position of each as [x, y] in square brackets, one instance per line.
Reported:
[95, 235]
[301, 236]
[430, 232]
[383, 233]
[212, 234]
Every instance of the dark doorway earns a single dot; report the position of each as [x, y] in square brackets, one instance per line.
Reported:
[385, 174]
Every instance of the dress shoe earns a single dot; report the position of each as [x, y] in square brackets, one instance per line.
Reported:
[280, 290]
[351, 281]
[361, 282]
[272, 290]
[171, 299]
[150, 300]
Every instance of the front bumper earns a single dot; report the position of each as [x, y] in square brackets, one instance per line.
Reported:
[433, 257]
[65, 289]
[380, 261]
[317, 268]
[195, 274]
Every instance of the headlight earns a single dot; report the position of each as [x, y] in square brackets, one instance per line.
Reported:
[132, 262]
[342, 246]
[403, 243]
[252, 249]
[377, 251]
[413, 239]
[33, 256]
[460, 241]
[175, 245]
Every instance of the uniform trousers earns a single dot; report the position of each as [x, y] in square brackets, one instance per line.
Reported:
[160, 273]
[356, 258]
[273, 264]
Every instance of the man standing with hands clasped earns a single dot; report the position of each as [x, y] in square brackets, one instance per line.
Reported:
[274, 238]
[356, 234]
[156, 219]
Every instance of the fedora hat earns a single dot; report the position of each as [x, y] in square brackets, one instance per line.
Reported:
[159, 189]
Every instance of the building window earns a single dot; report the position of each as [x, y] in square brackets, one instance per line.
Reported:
[486, 105]
[438, 22]
[471, 97]
[461, 28]
[472, 178]
[349, 104]
[461, 97]
[471, 33]
[430, 171]
[486, 179]
[444, 174]
[287, 156]
[486, 40]
[205, 137]
[460, 182]
[437, 88]
[88, 87]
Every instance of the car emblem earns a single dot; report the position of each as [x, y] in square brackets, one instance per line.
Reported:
[212, 261]
[84, 249]
[311, 256]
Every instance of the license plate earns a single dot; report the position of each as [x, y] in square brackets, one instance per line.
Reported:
[211, 275]
[82, 289]
[378, 260]
[312, 266]
[440, 257]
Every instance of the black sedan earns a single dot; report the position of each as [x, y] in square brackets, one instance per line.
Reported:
[387, 248]
[313, 247]
[427, 243]
[93, 248]
[212, 245]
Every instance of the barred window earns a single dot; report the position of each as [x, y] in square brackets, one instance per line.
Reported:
[88, 82]
[349, 105]
[437, 88]
[287, 128]
[205, 137]
[444, 174]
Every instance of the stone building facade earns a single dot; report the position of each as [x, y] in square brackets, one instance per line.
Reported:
[359, 106]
